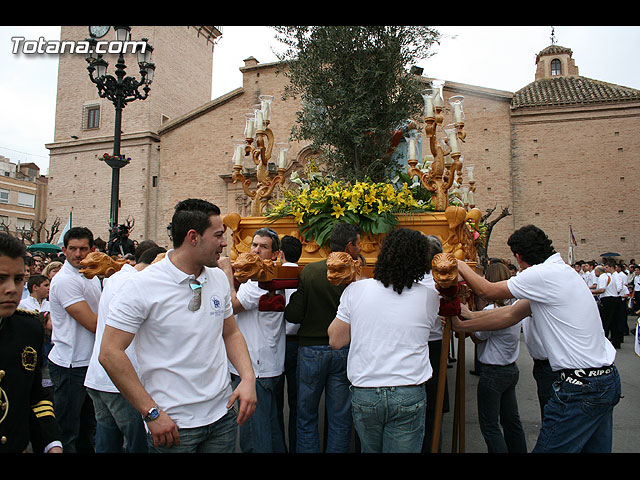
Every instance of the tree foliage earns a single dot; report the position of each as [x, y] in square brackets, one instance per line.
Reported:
[355, 89]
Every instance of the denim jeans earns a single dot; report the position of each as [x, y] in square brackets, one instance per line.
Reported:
[545, 377]
[117, 424]
[320, 368]
[261, 433]
[290, 377]
[390, 419]
[579, 418]
[74, 409]
[498, 407]
[219, 437]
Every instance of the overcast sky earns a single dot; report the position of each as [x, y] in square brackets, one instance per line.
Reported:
[499, 57]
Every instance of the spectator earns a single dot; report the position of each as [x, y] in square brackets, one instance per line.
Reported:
[25, 402]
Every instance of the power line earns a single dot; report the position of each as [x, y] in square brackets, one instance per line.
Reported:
[25, 153]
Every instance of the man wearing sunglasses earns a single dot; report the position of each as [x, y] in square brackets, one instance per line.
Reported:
[179, 311]
[260, 317]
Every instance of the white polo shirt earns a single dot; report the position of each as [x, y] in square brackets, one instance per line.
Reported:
[290, 328]
[568, 319]
[181, 354]
[97, 378]
[608, 283]
[72, 343]
[499, 347]
[30, 303]
[389, 333]
[436, 329]
[264, 332]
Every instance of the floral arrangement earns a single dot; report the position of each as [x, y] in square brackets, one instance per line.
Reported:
[318, 203]
[479, 232]
[121, 158]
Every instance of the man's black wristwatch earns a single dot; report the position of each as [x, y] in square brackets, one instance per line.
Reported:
[152, 414]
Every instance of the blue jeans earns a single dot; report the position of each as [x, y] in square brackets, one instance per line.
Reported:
[390, 419]
[261, 433]
[545, 378]
[290, 364]
[219, 437]
[74, 409]
[579, 418]
[117, 423]
[320, 368]
[498, 407]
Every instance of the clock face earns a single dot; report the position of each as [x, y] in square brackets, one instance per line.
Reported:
[98, 32]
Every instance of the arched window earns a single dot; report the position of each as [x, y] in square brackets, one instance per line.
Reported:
[556, 67]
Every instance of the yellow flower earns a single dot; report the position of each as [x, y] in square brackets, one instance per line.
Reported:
[338, 211]
[298, 215]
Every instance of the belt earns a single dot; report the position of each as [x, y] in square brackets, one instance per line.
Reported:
[575, 376]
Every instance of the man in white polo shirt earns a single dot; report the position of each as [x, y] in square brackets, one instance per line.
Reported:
[73, 302]
[570, 329]
[263, 327]
[179, 311]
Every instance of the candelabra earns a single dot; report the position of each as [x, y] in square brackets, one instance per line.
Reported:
[445, 170]
[258, 145]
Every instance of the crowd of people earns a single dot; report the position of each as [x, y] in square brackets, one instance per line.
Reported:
[173, 354]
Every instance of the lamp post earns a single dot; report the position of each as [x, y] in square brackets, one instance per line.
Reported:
[258, 145]
[120, 90]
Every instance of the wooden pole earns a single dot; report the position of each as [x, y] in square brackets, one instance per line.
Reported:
[442, 376]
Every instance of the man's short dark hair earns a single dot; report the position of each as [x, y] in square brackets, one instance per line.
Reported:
[392, 267]
[35, 280]
[142, 247]
[78, 233]
[11, 247]
[150, 254]
[267, 232]
[190, 214]
[291, 248]
[342, 234]
[532, 244]
[435, 247]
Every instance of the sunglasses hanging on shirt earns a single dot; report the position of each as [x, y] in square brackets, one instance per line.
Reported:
[196, 300]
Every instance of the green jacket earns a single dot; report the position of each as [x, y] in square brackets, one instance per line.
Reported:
[314, 304]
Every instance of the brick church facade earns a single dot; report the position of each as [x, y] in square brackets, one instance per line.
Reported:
[561, 151]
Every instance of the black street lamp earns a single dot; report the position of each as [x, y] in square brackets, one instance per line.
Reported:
[120, 90]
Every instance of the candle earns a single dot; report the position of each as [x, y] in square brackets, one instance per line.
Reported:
[428, 111]
[437, 100]
[412, 149]
[237, 154]
[282, 159]
[453, 141]
[457, 112]
[471, 199]
[266, 110]
[250, 129]
[259, 121]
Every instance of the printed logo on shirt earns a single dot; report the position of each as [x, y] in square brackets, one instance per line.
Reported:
[216, 305]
